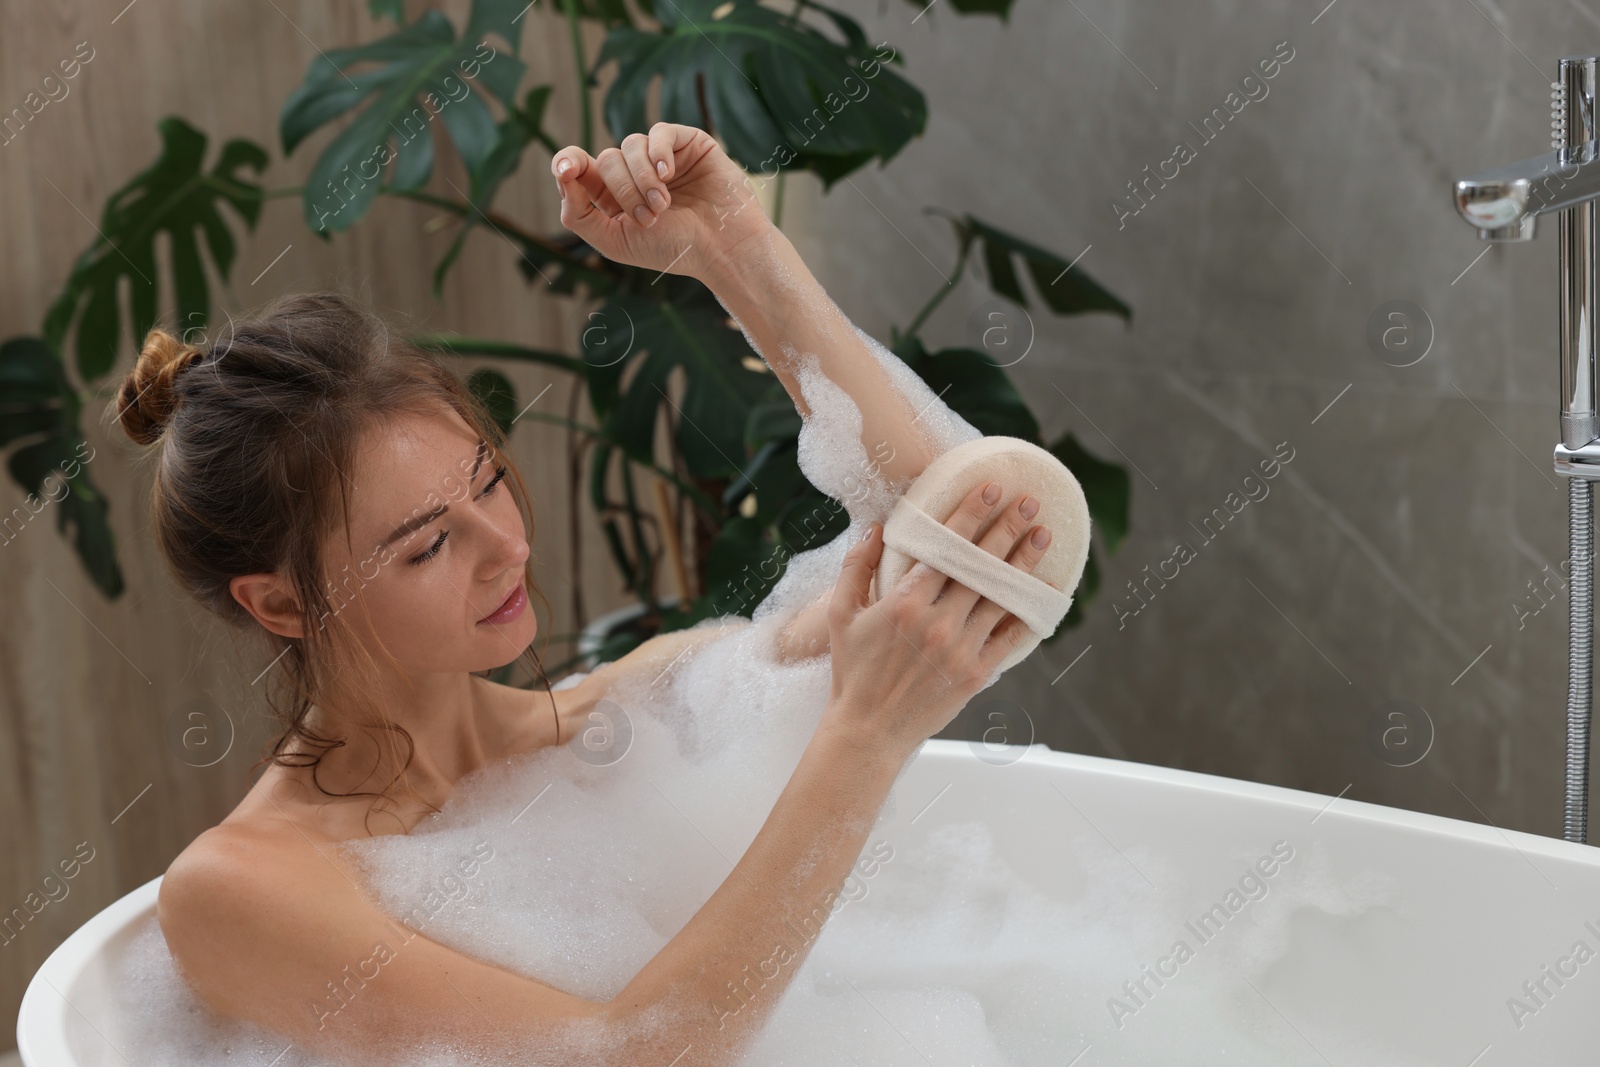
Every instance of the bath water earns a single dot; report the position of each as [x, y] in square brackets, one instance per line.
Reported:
[575, 865]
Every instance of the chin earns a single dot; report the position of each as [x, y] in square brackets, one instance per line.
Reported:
[503, 644]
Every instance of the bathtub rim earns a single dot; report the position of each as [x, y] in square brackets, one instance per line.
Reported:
[1302, 799]
[42, 1020]
[44, 1013]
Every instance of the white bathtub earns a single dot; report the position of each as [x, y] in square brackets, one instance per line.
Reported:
[1485, 910]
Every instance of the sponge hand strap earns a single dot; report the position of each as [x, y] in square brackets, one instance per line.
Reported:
[1040, 605]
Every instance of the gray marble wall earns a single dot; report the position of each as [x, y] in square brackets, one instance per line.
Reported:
[1377, 569]
[1388, 565]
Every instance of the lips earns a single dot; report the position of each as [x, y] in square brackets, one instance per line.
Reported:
[508, 608]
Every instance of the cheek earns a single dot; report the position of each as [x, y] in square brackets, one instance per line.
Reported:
[408, 607]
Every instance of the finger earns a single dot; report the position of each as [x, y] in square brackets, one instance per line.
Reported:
[575, 168]
[608, 204]
[679, 147]
[580, 183]
[966, 520]
[1025, 556]
[636, 150]
[851, 592]
[998, 540]
[1006, 636]
[665, 140]
[613, 167]
[581, 215]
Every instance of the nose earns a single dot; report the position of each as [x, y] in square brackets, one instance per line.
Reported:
[504, 540]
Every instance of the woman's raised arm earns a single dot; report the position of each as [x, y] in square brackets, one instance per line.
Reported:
[790, 319]
[674, 201]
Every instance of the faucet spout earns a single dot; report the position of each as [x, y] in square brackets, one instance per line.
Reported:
[1502, 204]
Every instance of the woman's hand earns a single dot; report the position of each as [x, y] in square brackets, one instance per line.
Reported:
[904, 666]
[672, 200]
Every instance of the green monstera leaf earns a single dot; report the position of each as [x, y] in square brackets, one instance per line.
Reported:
[777, 92]
[423, 72]
[39, 409]
[172, 196]
[498, 396]
[35, 396]
[1106, 489]
[974, 387]
[517, 132]
[53, 472]
[1067, 289]
[691, 332]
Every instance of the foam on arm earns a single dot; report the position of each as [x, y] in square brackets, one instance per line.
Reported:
[871, 425]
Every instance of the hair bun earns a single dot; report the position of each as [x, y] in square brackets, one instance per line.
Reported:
[149, 395]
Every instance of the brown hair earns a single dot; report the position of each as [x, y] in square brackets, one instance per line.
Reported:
[253, 434]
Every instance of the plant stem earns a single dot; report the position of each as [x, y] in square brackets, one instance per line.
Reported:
[585, 123]
[777, 200]
[647, 571]
[499, 222]
[955, 276]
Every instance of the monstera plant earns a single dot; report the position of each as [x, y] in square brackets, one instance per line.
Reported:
[759, 79]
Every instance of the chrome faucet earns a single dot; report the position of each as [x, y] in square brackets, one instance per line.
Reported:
[1504, 205]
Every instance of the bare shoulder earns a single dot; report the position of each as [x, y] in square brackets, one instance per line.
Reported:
[659, 652]
[233, 876]
[268, 925]
[230, 848]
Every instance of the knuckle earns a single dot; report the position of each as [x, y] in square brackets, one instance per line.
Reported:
[1016, 526]
[633, 138]
[1025, 555]
[940, 635]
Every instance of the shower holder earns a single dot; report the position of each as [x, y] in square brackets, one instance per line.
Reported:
[1503, 204]
[1581, 462]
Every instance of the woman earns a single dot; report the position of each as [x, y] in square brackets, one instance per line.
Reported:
[320, 479]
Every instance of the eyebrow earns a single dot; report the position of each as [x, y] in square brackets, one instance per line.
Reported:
[417, 522]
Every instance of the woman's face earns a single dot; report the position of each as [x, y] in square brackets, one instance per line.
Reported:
[434, 569]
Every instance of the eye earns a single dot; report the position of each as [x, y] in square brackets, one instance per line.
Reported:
[432, 551]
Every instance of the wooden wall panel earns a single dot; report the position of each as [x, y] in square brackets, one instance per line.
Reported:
[91, 691]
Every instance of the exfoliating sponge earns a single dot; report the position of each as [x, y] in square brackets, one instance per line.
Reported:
[916, 531]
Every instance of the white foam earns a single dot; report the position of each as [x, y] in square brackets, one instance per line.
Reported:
[832, 454]
[945, 954]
